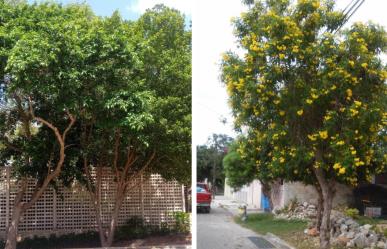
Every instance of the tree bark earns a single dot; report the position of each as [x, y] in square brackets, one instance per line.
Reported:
[13, 227]
[327, 187]
[275, 193]
[18, 211]
[19, 206]
[320, 207]
[120, 195]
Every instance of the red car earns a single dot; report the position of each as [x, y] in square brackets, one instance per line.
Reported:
[203, 197]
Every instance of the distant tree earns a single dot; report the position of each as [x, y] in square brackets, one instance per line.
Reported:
[209, 159]
[306, 93]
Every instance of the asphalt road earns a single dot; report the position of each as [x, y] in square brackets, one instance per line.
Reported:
[217, 230]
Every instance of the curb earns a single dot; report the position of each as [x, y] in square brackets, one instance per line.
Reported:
[279, 243]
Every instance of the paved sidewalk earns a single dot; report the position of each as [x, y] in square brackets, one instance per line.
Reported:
[233, 205]
[232, 208]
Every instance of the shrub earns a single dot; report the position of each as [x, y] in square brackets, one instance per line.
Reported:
[182, 222]
[133, 228]
[352, 212]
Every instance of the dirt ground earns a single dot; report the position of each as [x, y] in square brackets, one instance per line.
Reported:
[176, 239]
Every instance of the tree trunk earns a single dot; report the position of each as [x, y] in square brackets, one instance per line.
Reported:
[327, 187]
[320, 207]
[275, 193]
[95, 197]
[13, 227]
[114, 219]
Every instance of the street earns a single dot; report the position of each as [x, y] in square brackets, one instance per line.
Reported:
[217, 230]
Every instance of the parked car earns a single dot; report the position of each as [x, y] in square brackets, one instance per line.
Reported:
[203, 197]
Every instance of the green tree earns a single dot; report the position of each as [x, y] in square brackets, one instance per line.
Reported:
[139, 119]
[209, 159]
[310, 94]
[83, 95]
[41, 92]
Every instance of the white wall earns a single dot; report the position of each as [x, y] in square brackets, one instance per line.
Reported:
[249, 194]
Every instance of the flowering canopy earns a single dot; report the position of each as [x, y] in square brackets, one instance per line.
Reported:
[300, 89]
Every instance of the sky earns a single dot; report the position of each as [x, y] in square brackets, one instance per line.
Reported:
[213, 35]
[129, 9]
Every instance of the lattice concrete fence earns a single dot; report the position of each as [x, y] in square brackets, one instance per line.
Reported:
[69, 210]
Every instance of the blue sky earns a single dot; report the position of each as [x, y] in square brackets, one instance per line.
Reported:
[130, 9]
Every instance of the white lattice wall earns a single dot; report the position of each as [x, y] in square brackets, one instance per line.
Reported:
[70, 210]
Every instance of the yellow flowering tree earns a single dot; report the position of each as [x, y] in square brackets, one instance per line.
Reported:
[314, 100]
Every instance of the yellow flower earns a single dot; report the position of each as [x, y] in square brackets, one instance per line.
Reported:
[333, 87]
[351, 63]
[281, 56]
[323, 134]
[337, 166]
[282, 160]
[354, 112]
[342, 171]
[359, 163]
[312, 137]
[315, 96]
[364, 65]
[353, 152]
[316, 4]
[342, 109]
[349, 93]
[276, 102]
[295, 49]
[281, 113]
[357, 103]
[327, 117]
[341, 142]
[309, 101]
[300, 112]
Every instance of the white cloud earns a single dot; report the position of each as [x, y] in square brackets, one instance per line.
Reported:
[140, 6]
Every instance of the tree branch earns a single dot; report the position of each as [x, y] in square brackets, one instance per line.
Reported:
[141, 170]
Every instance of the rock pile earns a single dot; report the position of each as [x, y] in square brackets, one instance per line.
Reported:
[304, 211]
[347, 232]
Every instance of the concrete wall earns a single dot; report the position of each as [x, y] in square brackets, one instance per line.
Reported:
[308, 194]
[249, 194]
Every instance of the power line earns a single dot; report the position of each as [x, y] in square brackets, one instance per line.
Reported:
[352, 7]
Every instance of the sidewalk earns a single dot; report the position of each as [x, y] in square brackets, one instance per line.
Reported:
[233, 205]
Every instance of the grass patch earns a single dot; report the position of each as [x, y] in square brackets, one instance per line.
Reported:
[291, 231]
[265, 223]
[362, 220]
